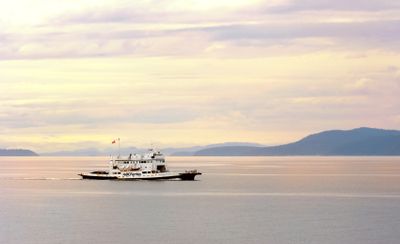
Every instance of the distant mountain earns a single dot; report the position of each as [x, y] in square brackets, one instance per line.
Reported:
[190, 151]
[184, 151]
[95, 152]
[361, 141]
[17, 152]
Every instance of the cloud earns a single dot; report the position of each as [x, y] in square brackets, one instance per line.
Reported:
[338, 5]
[197, 41]
[128, 14]
[141, 29]
[373, 30]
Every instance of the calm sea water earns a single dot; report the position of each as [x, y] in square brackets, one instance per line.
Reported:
[236, 200]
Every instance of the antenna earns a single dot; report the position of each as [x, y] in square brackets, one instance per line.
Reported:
[119, 147]
[153, 147]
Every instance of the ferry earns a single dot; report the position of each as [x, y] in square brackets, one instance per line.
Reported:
[147, 166]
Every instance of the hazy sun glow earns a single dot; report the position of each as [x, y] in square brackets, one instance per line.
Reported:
[79, 73]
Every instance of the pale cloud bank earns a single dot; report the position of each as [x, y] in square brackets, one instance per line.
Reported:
[338, 5]
[107, 30]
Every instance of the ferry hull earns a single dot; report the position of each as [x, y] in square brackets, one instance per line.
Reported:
[169, 177]
[187, 176]
[181, 176]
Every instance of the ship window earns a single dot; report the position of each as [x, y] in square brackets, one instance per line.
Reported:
[161, 168]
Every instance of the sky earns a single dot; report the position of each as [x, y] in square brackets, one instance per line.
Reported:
[77, 74]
